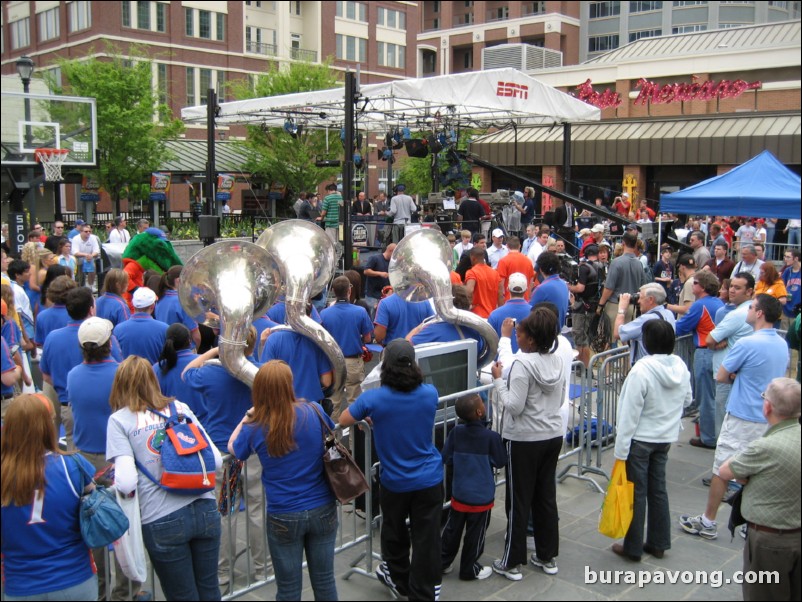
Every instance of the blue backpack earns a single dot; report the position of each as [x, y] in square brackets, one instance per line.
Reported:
[186, 454]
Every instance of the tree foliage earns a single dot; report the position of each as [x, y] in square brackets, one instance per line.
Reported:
[131, 144]
[274, 154]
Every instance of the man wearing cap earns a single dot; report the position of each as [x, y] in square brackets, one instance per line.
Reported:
[62, 352]
[330, 212]
[681, 289]
[498, 249]
[622, 205]
[401, 209]
[484, 285]
[88, 389]
[76, 230]
[141, 334]
[596, 238]
[120, 231]
[513, 262]
[516, 307]
[586, 295]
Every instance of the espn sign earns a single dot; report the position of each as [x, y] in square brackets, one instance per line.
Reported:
[513, 90]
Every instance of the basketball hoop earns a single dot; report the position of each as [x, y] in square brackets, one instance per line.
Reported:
[52, 159]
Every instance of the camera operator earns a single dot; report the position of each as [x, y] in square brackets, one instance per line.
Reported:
[586, 293]
[651, 300]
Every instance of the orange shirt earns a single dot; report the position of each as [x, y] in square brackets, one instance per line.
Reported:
[485, 291]
[455, 279]
[776, 290]
[515, 261]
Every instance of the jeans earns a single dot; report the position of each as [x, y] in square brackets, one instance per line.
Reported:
[291, 534]
[183, 548]
[794, 237]
[705, 394]
[83, 591]
[646, 468]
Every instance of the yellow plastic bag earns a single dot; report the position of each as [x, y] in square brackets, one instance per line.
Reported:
[616, 514]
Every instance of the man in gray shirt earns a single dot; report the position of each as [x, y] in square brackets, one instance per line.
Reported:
[625, 275]
[401, 209]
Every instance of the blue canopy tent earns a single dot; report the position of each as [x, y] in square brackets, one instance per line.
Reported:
[761, 187]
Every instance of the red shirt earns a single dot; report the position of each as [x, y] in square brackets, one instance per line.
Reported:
[485, 291]
[515, 261]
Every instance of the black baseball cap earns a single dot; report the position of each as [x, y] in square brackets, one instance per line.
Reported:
[399, 352]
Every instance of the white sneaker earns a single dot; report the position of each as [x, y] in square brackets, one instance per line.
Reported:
[484, 573]
[511, 573]
[530, 543]
[549, 567]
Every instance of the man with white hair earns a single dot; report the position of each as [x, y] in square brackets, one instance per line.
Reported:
[749, 262]
[652, 307]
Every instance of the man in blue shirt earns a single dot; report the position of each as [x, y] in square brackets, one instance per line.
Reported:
[311, 369]
[141, 334]
[395, 318]
[56, 315]
[351, 327]
[750, 366]
[792, 277]
[552, 289]
[516, 307]
[62, 352]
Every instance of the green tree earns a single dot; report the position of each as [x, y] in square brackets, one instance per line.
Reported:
[274, 154]
[131, 144]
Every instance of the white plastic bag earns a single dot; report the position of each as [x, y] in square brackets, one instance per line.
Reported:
[130, 549]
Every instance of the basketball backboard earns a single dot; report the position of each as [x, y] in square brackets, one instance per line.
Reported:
[32, 121]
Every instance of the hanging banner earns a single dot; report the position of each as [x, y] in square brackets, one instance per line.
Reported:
[225, 184]
[159, 186]
[90, 190]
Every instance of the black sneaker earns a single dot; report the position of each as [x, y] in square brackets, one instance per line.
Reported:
[383, 574]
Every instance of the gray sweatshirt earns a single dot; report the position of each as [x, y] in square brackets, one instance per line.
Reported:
[532, 397]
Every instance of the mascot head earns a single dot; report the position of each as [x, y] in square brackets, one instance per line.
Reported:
[152, 251]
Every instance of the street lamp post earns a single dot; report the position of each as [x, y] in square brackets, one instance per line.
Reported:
[25, 68]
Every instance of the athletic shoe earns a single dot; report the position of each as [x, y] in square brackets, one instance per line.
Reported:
[513, 574]
[383, 574]
[484, 572]
[549, 567]
[694, 526]
[530, 543]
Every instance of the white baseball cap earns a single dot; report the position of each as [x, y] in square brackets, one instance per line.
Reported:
[626, 194]
[517, 283]
[597, 228]
[143, 297]
[95, 330]
[498, 233]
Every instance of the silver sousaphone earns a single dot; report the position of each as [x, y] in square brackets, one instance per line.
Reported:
[306, 258]
[226, 285]
[420, 270]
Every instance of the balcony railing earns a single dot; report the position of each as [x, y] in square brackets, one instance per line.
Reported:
[258, 48]
[533, 8]
[302, 54]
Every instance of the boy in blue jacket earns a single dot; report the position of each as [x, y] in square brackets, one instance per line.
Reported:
[473, 451]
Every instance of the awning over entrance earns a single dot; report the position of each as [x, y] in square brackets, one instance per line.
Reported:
[704, 140]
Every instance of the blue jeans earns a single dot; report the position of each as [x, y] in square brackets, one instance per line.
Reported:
[705, 394]
[794, 237]
[646, 468]
[83, 591]
[183, 547]
[288, 536]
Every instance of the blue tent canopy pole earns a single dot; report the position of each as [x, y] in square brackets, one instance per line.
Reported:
[760, 187]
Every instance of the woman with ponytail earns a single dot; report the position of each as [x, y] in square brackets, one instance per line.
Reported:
[176, 354]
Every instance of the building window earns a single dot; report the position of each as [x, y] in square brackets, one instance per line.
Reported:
[533, 8]
[634, 36]
[602, 43]
[204, 24]
[260, 40]
[149, 15]
[221, 86]
[600, 10]
[689, 28]
[777, 4]
[191, 87]
[48, 24]
[80, 15]
[684, 3]
[295, 8]
[429, 62]
[350, 48]
[436, 6]
[467, 59]
[394, 19]
[642, 7]
[499, 13]
[161, 90]
[356, 11]
[391, 55]
[383, 176]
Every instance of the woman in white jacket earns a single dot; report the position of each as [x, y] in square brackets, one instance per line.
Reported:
[533, 432]
[648, 421]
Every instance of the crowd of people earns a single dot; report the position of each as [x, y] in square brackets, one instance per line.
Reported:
[116, 369]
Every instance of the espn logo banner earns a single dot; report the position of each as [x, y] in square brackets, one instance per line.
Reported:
[513, 90]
